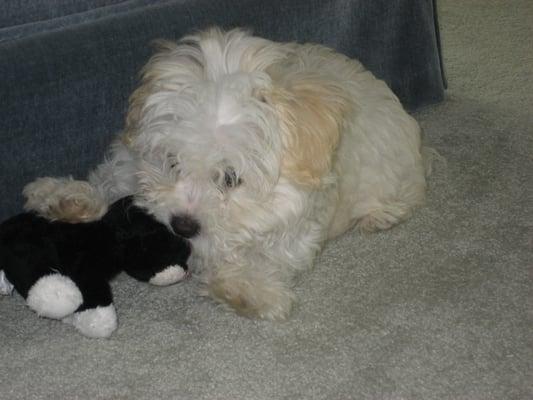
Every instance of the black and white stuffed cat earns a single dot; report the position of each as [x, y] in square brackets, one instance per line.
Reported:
[63, 270]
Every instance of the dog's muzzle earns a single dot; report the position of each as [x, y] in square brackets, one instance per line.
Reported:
[185, 225]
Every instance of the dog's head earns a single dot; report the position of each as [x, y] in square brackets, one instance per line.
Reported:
[230, 133]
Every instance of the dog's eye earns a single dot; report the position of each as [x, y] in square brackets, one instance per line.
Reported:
[173, 163]
[174, 167]
[231, 179]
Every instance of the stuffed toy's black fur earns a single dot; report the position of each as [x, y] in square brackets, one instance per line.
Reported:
[63, 270]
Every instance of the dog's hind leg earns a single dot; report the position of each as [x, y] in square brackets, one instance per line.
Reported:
[375, 214]
[384, 217]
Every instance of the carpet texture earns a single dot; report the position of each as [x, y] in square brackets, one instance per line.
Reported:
[438, 308]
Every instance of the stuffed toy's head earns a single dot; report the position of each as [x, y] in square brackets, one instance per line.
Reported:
[63, 270]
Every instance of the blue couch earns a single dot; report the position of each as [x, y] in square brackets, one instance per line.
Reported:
[67, 66]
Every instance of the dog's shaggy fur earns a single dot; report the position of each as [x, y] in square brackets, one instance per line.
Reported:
[259, 152]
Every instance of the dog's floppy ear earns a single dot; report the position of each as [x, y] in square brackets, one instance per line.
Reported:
[172, 64]
[138, 98]
[311, 110]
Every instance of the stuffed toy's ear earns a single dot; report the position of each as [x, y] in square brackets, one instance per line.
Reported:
[311, 110]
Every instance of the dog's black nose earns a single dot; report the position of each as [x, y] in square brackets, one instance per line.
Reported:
[185, 225]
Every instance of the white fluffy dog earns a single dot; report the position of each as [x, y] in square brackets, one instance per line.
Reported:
[258, 152]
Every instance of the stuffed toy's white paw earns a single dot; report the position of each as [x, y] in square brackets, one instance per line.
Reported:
[168, 276]
[99, 322]
[54, 296]
[5, 286]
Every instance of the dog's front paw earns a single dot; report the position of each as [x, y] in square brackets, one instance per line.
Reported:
[99, 322]
[252, 298]
[64, 199]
